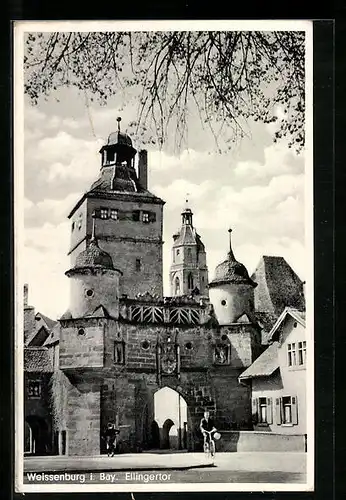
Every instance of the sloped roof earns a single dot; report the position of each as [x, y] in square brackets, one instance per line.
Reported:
[49, 322]
[266, 321]
[299, 316]
[265, 365]
[99, 312]
[54, 335]
[37, 359]
[278, 286]
[41, 322]
[186, 236]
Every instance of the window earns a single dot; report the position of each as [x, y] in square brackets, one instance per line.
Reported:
[178, 252]
[188, 346]
[190, 281]
[177, 286]
[89, 292]
[135, 215]
[104, 213]
[114, 214]
[145, 216]
[223, 302]
[34, 388]
[262, 412]
[73, 225]
[138, 264]
[301, 353]
[79, 223]
[291, 354]
[81, 331]
[119, 353]
[110, 156]
[286, 410]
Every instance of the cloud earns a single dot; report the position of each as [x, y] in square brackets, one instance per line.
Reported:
[175, 193]
[43, 263]
[49, 210]
[278, 160]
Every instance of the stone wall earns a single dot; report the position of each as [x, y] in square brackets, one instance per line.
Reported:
[243, 441]
[81, 343]
[83, 419]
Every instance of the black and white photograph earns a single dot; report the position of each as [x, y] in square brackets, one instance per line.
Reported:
[163, 180]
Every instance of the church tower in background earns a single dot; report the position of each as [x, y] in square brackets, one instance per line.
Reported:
[128, 217]
[188, 272]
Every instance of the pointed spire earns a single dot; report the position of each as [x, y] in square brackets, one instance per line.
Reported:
[231, 257]
[93, 233]
[119, 120]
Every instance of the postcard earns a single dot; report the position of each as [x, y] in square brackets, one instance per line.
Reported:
[164, 256]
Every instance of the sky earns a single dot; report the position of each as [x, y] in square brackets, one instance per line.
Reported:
[257, 189]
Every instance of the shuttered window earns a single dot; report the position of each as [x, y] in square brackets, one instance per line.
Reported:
[286, 410]
[262, 410]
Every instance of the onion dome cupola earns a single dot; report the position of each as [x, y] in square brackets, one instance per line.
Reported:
[232, 290]
[188, 272]
[95, 281]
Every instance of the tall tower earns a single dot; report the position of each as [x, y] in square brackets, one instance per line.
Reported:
[188, 272]
[129, 217]
[232, 290]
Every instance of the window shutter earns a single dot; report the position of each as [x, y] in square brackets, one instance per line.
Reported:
[278, 419]
[254, 410]
[294, 410]
[269, 411]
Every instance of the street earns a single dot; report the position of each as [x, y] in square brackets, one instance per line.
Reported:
[247, 467]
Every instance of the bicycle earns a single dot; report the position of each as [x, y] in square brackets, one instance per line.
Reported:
[209, 445]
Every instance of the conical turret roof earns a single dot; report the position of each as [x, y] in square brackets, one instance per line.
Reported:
[231, 271]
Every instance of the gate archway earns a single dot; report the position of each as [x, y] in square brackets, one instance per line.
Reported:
[36, 436]
[170, 413]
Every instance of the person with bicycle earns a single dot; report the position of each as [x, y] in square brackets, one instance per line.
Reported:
[207, 428]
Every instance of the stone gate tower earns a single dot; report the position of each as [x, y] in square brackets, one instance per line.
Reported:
[129, 217]
[188, 272]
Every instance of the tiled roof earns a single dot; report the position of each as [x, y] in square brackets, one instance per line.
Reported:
[37, 359]
[93, 256]
[264, 365]
[278, 286]
[266, 321]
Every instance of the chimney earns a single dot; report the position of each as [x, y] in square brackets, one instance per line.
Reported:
[26, 292]
[143, 168]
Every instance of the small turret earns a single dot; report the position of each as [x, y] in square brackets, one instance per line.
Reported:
[232, 290]
[95, 281]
